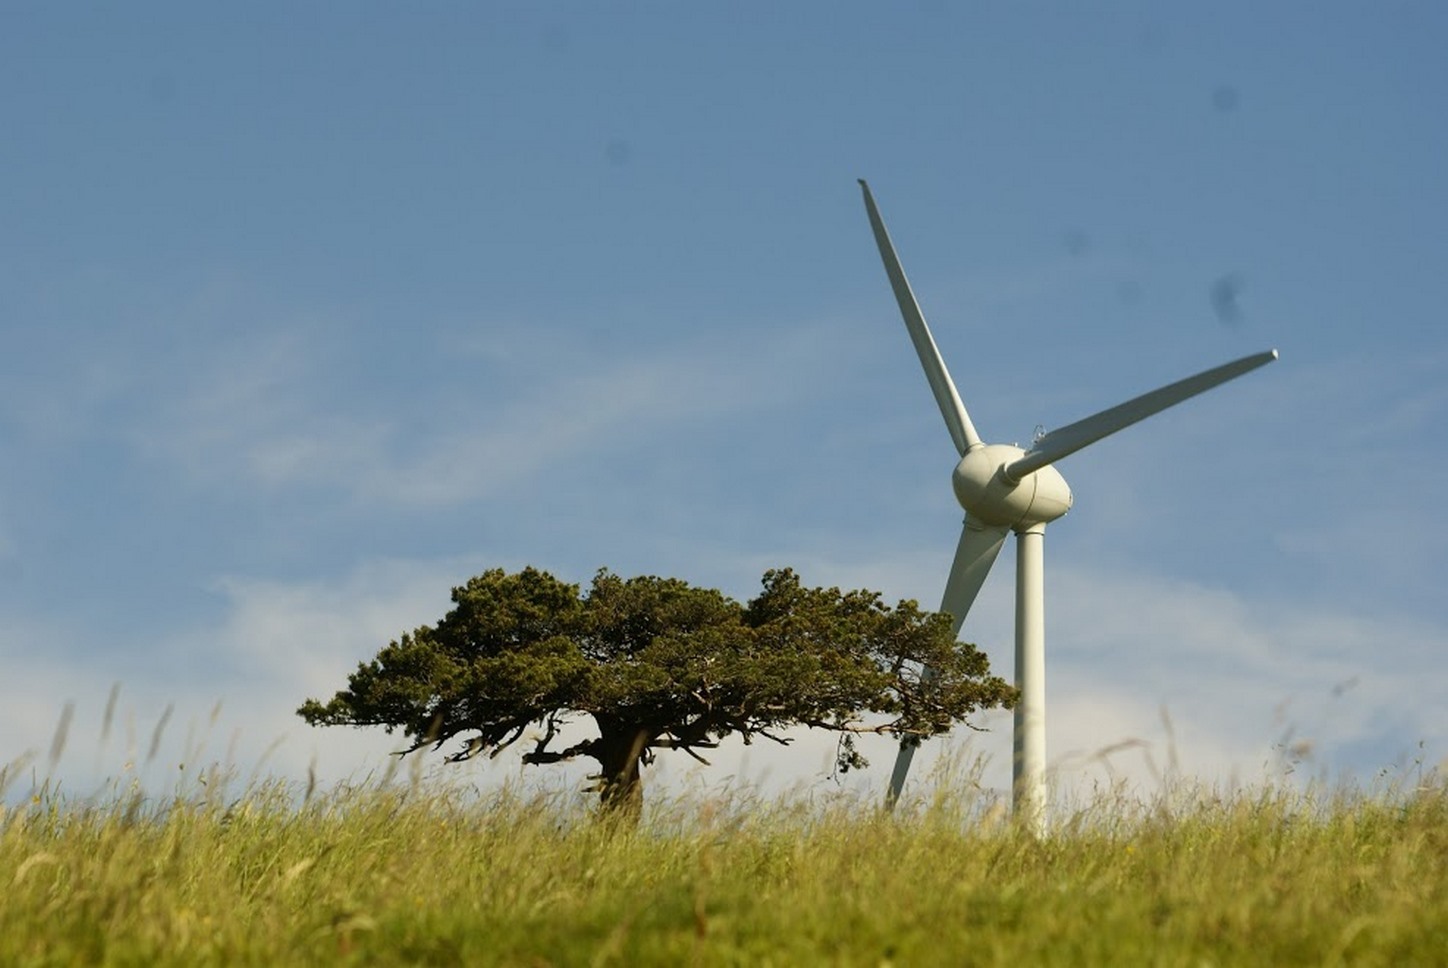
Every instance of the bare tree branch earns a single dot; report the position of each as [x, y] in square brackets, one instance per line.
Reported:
[585, 748]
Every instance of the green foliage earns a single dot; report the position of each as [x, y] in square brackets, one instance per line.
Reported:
[660, 664]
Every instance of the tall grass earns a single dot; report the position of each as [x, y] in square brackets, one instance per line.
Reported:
[406, 873]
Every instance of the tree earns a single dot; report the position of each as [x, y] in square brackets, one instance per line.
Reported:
[659, 664]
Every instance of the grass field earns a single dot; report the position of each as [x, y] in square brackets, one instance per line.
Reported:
[407, 874]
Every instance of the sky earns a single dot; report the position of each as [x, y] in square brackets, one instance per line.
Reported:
[307, 314]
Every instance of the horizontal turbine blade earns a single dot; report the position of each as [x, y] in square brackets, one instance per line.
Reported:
[974, 555]
[956, 419]
[1072, 437]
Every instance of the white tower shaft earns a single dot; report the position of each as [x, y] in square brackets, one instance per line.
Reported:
[1028, 773]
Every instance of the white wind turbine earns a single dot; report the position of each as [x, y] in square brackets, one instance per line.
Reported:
[1003, 488]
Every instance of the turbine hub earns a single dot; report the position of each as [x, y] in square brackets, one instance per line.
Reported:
[987, 495]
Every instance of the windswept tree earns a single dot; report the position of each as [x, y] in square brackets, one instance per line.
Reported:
[659, 664]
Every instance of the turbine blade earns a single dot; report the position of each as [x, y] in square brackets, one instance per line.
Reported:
[974, 554]
[1072, 437]
[979, 545]
[956, 419]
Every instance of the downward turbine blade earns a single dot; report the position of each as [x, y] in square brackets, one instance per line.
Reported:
[1072, 437]
[956, 419]
[974, 555]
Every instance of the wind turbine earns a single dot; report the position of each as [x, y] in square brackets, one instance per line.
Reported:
[1002, 489]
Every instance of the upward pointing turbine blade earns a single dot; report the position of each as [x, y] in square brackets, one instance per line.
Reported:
[956, 419]
[1072, 437]
[979, 545]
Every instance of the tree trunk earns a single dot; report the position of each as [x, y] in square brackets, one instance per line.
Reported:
[618, 749]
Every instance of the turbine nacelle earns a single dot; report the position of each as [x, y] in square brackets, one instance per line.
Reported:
[986, 492]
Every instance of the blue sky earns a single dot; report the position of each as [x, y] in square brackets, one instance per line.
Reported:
[306, 315]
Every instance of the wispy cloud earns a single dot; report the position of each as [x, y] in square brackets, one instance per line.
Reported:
[272, 411]
[273, 415]
[1252, 688]
[1143, 672]
[234, 684]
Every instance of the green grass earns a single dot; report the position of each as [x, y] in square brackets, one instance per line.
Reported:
[382, 875]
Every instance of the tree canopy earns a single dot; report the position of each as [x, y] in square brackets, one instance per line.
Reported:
[660, 664]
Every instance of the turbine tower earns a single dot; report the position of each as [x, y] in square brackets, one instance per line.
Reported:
[1002, 489]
